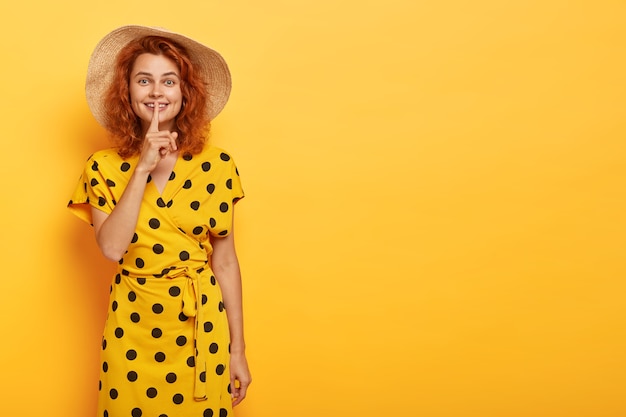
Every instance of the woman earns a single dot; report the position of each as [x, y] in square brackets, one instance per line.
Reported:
[161, 204]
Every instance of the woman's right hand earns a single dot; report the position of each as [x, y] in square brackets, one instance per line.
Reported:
[156, 145]
[114, 231]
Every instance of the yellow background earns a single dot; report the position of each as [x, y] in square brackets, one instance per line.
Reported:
[435, 215]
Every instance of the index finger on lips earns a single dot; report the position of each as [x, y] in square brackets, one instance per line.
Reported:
[154, 124]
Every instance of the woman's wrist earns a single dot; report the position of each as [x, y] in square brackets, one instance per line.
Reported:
[237, 348]
[141, 173]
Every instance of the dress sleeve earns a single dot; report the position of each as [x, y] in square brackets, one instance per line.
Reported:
[230, 192]
[92, 190]
[236, 190]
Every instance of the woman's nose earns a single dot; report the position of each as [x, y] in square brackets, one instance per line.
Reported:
[156, 91]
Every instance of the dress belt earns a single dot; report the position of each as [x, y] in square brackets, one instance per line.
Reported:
[191, 295]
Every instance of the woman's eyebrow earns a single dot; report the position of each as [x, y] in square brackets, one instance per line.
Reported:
[147, 74]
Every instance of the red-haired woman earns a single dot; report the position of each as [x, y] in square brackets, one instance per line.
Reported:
[161, 203]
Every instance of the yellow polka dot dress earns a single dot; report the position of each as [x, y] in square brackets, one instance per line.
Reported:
[165, 349]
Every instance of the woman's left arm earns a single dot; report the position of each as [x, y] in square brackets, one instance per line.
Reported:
[225, 266]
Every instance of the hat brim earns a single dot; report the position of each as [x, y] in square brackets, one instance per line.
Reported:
[101, 67]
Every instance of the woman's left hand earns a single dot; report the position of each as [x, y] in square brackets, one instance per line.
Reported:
[240, 377]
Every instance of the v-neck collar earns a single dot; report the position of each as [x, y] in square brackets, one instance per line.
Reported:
[166, 186]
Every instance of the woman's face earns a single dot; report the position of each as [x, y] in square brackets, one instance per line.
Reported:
[154, 85]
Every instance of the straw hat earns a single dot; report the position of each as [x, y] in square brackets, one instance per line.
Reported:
[102, 63]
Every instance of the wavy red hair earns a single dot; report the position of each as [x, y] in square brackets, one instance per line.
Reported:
[192, 123]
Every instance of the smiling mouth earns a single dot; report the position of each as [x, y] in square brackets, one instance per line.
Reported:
[161, 105]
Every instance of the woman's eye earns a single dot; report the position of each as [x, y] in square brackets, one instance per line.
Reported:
[143, 81]
[169, 83]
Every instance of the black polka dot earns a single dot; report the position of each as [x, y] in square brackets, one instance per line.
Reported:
[169, 203]
[94, 166]
[149, 178]
[174, 291]
[208, 326]
[212, 222]
[104, 343]
[131, 376]
[134, 239]
[220, 306]
[93, 182]
[172, 176]
[202, 376]
[131, 354]
[223, 412]
[156, 333]
[223, 233]
[183, 255]
[187, 156]
[210, 188]
[178, 399]
[157, 248]
[114, 305]
[219, 369]
[224, 207]
[119, 332]
[110, 183]
[113, 393]
[206, 166]
[213, 348]
[224, 157]
[160, 202]
[154, 223]
[151, 392]
[139, 262]
[132, 296]
[181, 340]
[136, 412]
[191, 362]
[195, 205]
[159, 356]
[182, 317]
[229, 184]
[187, 184]
[141, 281]
[198, 230]
[135, 317]
[105, 366]
[157, 308]
[125, 166]
[208, 413]
[101, 201]
[204, 299]
[171, 377]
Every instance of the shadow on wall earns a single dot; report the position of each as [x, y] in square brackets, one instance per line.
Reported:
[92, 272]
[87, 287]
